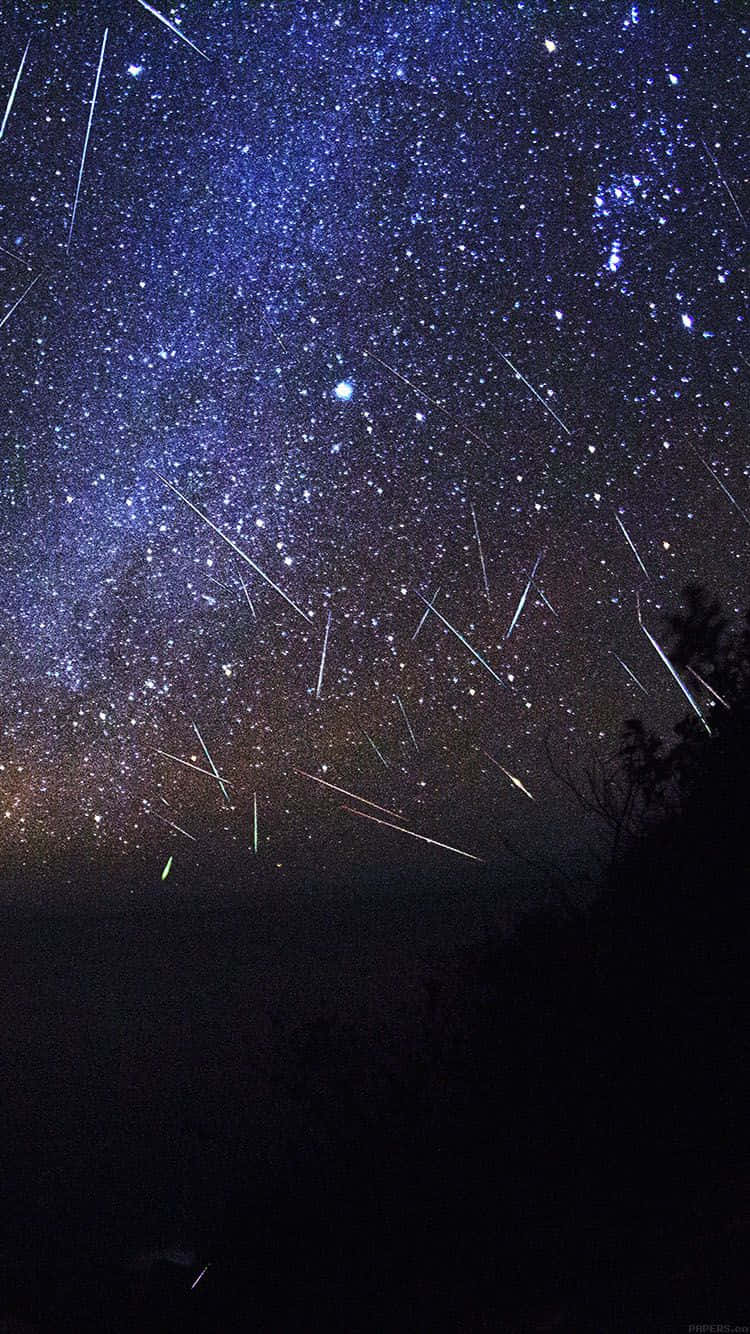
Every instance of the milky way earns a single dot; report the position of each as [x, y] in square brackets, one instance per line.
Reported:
[402, 297]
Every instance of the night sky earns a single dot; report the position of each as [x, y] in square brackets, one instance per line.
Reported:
[313, 254]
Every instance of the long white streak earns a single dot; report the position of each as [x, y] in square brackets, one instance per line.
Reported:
[217, 775]
[197, 768]
[406, 720]
[524, 596]
[425, 614]
[86, 140]
[172, 28]
[198, 1279]
[17, 258]
[676, 676]
[14, 89]
[355, 795]
[518, 610]
[464, 641]
[179, 828]
[323, 657]
[632, 545]
[481, 553]
[515, 781]
[545, 600]
[235, 548]
[255, 822]
[247, 595]
[629, 672]
[455, 420]
[377, 752]
[435, 842]
[725, 489]
[709, 688]
[17, 303]
[724, 182]
[536, 394]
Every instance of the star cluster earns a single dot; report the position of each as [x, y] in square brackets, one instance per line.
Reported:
[404, 298]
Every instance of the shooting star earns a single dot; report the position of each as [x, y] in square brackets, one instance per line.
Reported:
[673, 672]
[18, 258]
[522, 601]
[179, 829]
[481, 553]
[724, 488]
[17, 303]
[709, 688]
[323, 658]
[534, 391]
[515, 781]
[408, 724]
[172, 27]
[455, 420]
[255, 823]
[629, 671]
[198, 1279]
[425, 614]
[237, 550]
[724, 182]
[14, 89]
[464, 641]
[545, 600]
[216, 773]
[402, 830]
[632, 545]
[355, 795]
[247, 595]
[188, 765]
[377, 752]
[167, 868]
[86, 140]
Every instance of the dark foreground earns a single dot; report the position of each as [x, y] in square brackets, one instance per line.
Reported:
[544, 1135]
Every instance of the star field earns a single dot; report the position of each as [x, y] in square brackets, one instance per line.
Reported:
[402, 297]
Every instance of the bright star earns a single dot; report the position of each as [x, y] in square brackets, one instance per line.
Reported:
[344, 390]
[135, 71]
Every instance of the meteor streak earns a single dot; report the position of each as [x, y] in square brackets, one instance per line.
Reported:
[709, 688]
[631, 544]
[172, 27]
[86, 140]
[323, 657]
[408, 724]
[167, 868]
[481, 553]
[14, 89]
[189, 765]
[247, 595]
[674, 673]
[355, 795]
[515, 781]
[377, 752]
[464, 641]
[402, 830]
[179, 829]
[534, 391]
[216, 773]
[522, 601]
[255, 822]
[433, 401]
[425, 614]
[17, 303]
[235, 548]
[629, 672]
[724, 488]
